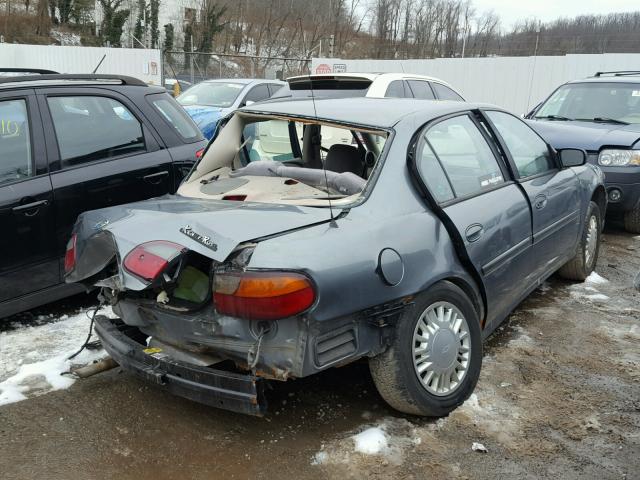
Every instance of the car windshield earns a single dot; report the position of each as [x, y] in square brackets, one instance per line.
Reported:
[276, 160]
[214, 94]
[600, 102]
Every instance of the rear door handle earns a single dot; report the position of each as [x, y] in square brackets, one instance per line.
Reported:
[155, 178]
[540, 202]
[474, 232]
[30, 209]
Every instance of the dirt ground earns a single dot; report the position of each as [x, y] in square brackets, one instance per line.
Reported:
[558, 397]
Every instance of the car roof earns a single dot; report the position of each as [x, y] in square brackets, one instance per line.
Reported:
[609, 79]
[374, 112]
[245, 81]
[368, 76]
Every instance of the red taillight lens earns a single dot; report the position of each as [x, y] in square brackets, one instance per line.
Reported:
[70, 254]
[262, 295]
[199, 153]
[148, 260]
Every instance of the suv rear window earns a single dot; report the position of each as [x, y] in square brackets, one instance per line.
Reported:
[176, 118]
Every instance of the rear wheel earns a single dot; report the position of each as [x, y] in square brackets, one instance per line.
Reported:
[632, 220]
[434, 361]
[585, 259]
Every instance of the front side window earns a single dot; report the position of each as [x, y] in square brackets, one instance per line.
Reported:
[599, 102]
[211, 94]
[445, 93]
[529, 152]
[15, 141]
[465, 155]
[90, 128]
[421, 89]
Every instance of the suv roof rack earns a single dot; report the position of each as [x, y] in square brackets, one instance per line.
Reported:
[40, 71]
[125, 80]
[619, 73]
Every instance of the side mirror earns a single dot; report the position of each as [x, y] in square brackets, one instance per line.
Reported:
[249, 102]
[572, 157]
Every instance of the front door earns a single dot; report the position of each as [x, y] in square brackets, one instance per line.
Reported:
[552, 192]
[102, 153]
[488, 214]
[28, 262]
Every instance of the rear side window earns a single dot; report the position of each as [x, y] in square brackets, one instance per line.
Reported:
[445, 93]
[465, 156]
[90, 128]
[257, 94]
[421, 89]
[15, 141]
[177, 118]
[529, 152]
[396, 90]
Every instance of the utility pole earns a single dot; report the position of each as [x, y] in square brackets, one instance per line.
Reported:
[331, 46]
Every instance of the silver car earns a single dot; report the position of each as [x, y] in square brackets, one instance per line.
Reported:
[292, 248]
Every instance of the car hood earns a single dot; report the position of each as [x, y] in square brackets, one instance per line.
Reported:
[115, 231]
[586, 135]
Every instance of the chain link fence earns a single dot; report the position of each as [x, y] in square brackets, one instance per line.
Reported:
[194, 67]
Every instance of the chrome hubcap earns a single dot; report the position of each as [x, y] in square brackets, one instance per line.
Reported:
[592, 241]
[441, 348]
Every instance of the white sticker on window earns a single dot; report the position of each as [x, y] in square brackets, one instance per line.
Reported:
[635, 93]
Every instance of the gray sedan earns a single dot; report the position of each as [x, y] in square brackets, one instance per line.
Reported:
[312, 234]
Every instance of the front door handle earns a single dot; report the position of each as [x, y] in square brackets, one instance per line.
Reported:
[155, 178]
[474, 232]
[540, 202]
[30, 209]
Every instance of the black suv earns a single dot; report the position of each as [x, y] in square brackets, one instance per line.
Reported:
[600, 114]
[70, 143]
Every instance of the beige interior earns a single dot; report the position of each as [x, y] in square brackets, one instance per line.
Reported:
[222, 158]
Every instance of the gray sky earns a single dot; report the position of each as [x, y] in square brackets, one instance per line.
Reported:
[513, 10]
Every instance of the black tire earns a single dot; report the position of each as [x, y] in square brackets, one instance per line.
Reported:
[632, 220]
[394, 373]
[578, 268]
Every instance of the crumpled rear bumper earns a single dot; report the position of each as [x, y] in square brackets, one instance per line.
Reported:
[217, 388]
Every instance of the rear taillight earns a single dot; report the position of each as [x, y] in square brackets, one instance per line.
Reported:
[262, 295]
[148, 260]
[199, 153]
[70, 254]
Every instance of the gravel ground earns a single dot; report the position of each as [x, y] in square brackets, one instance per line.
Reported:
[558, 397]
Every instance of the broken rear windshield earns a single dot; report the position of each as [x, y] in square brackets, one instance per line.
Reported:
[287, 161]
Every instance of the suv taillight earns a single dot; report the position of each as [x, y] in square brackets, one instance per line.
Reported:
[148, 260]
[199, 153]
[262, 295]
[70, 254]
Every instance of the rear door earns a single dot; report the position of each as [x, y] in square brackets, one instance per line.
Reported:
[552, 192]
[28, 260]
[101, 152]
[484, 210]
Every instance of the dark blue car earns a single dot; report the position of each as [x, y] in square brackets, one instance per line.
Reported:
[601, 115]
[209, 101]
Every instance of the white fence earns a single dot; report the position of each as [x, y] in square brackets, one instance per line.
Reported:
[514, 83]
[140, 63]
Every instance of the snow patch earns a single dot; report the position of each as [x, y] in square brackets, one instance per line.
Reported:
[597, 279]
[33, 358]
[372, 441]
[389, 440]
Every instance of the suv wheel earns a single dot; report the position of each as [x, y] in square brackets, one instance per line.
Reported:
[632, 220]
[585, 259]
[434, 361]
